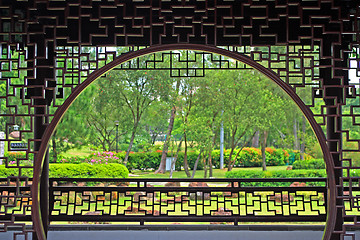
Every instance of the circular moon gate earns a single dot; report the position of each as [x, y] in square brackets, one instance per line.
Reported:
[331, 207]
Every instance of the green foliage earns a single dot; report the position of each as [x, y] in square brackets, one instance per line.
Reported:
[12, 156]
[94, 158]
[151, 160]
[274, 174]
[191, 157]
[142, 160]
[309, 164]
[82, 170]
[248, 157]
[9, 171]
[276, 157]
[251, 157]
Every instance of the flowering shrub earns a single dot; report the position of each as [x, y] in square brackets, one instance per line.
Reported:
[248, 157]
[103, 158]
[94, 158]
[151, 160]
[276, 157]
[13, 158]
[75, 160]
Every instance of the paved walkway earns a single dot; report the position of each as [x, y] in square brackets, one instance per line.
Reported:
[176, 235]
[185, 235]
[139, 233]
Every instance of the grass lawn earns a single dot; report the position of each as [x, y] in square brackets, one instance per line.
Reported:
[84, 151]
[217, 173]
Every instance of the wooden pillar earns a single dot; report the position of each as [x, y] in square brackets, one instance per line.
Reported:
[333, 97]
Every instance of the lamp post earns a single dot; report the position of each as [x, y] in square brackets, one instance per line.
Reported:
[117, 131]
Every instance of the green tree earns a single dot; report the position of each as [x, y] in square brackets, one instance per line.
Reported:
[136, 90]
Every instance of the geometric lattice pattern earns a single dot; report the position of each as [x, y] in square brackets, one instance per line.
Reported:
[49, 48]
[205, 201]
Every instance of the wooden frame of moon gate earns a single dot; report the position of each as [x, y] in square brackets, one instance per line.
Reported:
[47, 58]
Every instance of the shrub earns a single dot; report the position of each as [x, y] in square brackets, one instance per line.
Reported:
[94, 158]
[274, 174]
[309, 164]
[15, 158]
[191, 158]
[74, 160]
[103, 157]
[295, 155]
[142, 160]
[82, 170]
[251, 157]
[248, 157]
[12, 156]
[151, 160]
[275, 157]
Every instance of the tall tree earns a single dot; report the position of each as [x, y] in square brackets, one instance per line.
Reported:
[136, 90]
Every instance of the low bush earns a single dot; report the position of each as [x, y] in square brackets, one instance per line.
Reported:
[141, 160]
[151, 160]
[295, 155]
[251, 157]
[274, 174]
[94, 158]
[82, 170]
[248, 157]
[276, 157]
[309, 164]
[12, 156]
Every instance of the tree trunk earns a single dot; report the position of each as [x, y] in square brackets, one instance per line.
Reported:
[302, 146]
[175, 158]
[263, 146]
[103, 143]
[162, 165]
[232, 163]
[230, 159]
[210, 165]
[255, 140]
[234, 143]
[242, 147]
[296, 140]
[54, 147]
[205, 167]
[153, 139]
[130, 144]
[186, 165]
[210, 156]
[196, 164]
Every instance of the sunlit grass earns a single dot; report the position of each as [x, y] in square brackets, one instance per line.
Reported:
[84, 151]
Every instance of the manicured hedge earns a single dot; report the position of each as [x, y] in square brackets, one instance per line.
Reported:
[309, 164]
[274, 174]
[248, 157]
[251, 157]
[82, 170]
